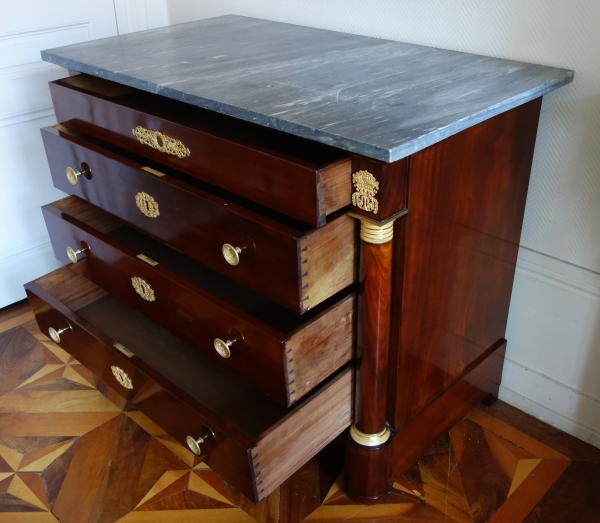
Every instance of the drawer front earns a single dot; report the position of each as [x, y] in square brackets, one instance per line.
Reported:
[82, 345]
[255, 459]
[202, 225]
[234, 338]
[100, 354]
[168, 300]
[191, 141]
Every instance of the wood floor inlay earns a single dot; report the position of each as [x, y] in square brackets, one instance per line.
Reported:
[73, 451]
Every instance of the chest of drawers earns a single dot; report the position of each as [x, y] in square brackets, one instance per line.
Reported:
[259, 265]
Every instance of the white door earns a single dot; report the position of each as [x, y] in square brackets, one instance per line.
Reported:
[26, 27]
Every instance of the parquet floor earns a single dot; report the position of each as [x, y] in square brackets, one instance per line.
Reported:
[72, 451]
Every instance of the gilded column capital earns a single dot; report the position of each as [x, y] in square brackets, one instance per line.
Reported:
[377, 232]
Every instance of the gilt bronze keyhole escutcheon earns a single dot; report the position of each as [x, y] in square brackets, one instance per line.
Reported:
[147, 205]
[122, 377]
[161, 142]
[143, 288]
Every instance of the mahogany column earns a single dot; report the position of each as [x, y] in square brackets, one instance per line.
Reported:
[369, 461]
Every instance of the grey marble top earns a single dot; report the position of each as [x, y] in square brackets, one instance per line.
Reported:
[378, 98]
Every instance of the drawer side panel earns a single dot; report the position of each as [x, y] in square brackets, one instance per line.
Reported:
[329, 260]
[335, 189]
[317, 351]
[298, 438]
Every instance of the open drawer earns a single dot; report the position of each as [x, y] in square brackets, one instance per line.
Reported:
[250, 440]
[282, 353]
[294, 176]
[285, 260]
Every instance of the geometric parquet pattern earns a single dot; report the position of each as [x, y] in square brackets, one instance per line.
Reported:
[73, 451]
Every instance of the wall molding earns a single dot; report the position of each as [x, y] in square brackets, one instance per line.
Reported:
[24, 76]
[26, 116]
[15, 251]
[558, 273]
[45, 29]
[132, 15]
[139, 15]
[29, 39]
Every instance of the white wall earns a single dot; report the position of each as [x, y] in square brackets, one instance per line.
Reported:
[553, 359]
[26, 27]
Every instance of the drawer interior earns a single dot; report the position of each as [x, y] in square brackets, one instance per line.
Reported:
[295, 176]
[247, 409]
[185, 180]
[293, 148]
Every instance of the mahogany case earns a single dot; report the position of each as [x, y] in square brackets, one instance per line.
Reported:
[419, 327]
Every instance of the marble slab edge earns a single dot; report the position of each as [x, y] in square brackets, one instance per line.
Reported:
[384, 154]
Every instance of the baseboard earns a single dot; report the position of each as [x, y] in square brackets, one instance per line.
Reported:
[553, 333]
[17, 268]
[545, 399]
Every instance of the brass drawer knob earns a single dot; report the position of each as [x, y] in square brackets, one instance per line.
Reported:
[74, 254]
[223, 347]
[147, 205]
[122, 377]
[231, 254]
[73, 175]
[142, 287]
[55, 334]
[194, 444]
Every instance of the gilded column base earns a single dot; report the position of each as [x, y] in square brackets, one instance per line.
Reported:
[370, 440]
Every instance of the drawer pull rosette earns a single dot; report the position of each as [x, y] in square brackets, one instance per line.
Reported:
[73, 254]
[224, 347]
[161, 142]
[122, 377]
[55, 334]
[143, 288]
[231, 254]
[194, 444]
[73, 175]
